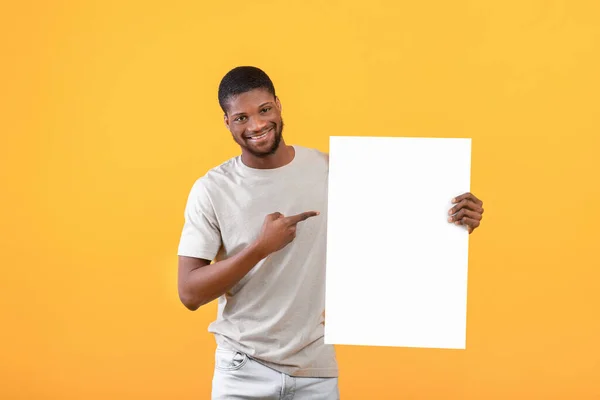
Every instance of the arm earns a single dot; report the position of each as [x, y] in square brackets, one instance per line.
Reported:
[200, 282]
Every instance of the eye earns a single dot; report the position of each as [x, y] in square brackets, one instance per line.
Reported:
[241, 118]
[266, 109]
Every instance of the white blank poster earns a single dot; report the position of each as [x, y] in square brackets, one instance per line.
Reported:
[396, 268]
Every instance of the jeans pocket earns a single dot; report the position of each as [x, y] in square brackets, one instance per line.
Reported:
[229, 360]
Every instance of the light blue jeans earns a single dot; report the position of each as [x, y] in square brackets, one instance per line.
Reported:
[238, 377]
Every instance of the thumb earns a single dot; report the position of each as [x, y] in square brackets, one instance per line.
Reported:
[275, 215]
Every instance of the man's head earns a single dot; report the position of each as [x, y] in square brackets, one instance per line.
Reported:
[252, 110]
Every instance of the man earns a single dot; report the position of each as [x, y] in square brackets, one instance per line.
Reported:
[262, 218]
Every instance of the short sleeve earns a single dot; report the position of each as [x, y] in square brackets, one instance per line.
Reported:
[201, 236]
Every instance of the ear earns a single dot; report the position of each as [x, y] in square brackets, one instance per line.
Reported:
[226, 120]
[278, 103]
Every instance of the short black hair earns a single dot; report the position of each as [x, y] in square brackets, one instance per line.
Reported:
[243, 79]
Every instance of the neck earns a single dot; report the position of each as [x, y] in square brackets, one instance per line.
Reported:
[282, 156]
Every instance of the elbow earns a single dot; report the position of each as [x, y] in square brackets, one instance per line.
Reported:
[191, 306]
[192, 303]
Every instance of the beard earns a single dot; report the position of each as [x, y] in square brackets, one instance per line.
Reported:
[278, 134]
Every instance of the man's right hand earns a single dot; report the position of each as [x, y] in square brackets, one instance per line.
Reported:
[200, 282]
[279, 231]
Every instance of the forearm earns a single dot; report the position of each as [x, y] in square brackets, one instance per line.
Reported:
[203, 285]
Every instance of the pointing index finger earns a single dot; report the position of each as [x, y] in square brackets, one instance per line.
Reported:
[294, 219]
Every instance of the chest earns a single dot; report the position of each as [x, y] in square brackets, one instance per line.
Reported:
[242, 209]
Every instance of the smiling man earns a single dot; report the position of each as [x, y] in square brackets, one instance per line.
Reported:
[262, 218]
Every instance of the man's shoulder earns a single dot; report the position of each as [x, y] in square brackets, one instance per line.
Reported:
[215, 176]
[315, 153]
[222, 170]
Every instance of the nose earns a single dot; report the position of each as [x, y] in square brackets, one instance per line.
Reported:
[257, 124]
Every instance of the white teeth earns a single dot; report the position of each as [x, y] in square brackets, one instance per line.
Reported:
[259, 137]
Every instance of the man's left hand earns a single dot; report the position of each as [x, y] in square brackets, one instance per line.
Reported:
[467, 211]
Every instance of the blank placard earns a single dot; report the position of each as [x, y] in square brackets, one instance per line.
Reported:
[396, 268]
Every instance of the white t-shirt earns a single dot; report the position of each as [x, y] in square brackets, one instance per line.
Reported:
[275, 313]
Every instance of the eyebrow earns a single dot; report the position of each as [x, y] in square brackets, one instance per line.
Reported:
[261, 106]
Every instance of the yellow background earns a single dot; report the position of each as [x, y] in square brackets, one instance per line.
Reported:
[108, 113]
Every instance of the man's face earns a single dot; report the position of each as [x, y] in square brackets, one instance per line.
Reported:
[254, 120]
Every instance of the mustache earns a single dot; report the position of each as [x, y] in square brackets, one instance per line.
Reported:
[248, 134]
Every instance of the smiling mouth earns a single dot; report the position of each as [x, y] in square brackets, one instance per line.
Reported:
[258, 137]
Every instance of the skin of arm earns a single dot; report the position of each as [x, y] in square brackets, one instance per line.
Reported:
[200, 282]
